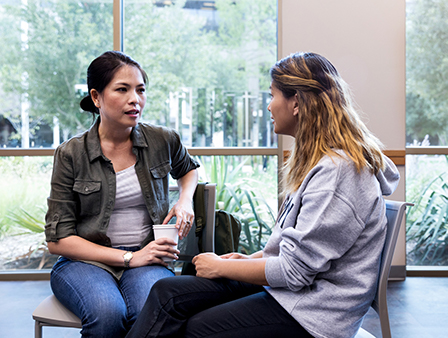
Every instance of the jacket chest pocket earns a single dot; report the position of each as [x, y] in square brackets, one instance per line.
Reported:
[89, 194]
[160, 180]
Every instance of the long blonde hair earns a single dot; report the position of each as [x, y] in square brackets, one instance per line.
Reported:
[327, 119]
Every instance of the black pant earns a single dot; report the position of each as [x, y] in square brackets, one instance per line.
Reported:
[188, 306]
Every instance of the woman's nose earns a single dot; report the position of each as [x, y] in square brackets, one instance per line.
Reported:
[134, 98]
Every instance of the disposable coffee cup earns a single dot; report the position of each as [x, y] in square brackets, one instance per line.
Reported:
[168, 231]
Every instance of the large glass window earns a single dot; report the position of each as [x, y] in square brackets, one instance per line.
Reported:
[238, 190]
[24, 187]
[45, 48]
[427, 131]
[27, 181]
[427, 230]
[208, 65]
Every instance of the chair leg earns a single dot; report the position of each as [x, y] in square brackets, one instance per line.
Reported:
[37, 329]
[384, 321]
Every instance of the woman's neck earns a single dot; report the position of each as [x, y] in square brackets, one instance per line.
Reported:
[116, 138]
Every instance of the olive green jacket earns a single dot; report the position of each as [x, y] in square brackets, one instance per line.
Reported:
[83, 184]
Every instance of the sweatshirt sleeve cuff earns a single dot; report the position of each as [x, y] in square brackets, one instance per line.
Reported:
[273, 273]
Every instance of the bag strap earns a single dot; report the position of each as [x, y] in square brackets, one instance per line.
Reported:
[199, 212]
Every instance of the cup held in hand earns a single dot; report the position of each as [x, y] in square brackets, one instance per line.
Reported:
[168, 231]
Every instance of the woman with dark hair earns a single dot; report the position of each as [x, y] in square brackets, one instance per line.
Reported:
[317, 275]
[109, 187]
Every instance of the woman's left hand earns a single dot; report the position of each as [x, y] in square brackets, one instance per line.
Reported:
[207, 265]
[183, 211]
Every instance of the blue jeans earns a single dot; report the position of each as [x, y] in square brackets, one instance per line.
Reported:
[107, 307]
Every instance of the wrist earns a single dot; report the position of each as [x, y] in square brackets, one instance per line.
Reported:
[127, 257]
[222, 267]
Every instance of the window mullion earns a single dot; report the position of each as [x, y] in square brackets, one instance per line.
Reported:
[118, 24]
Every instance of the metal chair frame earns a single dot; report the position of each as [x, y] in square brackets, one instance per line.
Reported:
[394, 212]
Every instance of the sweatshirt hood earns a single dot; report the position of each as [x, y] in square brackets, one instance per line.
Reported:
[388, 177]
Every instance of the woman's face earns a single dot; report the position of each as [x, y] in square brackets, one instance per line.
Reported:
[122, 101]
[283, 112]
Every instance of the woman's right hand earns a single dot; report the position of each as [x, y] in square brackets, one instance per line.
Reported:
[154, 252]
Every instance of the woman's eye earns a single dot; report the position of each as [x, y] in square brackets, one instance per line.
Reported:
[142, 90]
[121, 89]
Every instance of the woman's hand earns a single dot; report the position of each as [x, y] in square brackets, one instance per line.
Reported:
[239, 267]
[183, 211]
[154, 252]
[235, 255]
[207, 265]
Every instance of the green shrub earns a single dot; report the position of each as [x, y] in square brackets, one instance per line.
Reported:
[427, 223]
[250, 195]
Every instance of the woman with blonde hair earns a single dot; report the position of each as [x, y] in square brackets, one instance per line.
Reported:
[317, 275]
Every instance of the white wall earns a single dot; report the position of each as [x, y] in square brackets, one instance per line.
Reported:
[365, 40]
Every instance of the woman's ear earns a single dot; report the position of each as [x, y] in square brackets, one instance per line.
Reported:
[295, 102]
[95, 97]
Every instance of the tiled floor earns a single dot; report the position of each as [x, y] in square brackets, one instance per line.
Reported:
[418, 308]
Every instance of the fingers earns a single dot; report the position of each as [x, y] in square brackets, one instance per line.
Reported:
[168, 217]
[184, 218]
[184, 225]
[164, 242]
[234, 255]
[161, 248]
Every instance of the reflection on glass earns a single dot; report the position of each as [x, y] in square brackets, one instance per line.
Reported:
[208, 65]
[427, 221]
[45, 48]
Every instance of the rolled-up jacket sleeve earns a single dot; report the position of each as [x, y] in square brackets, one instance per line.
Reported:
[181, 162]
[61, 215]
[324, 227]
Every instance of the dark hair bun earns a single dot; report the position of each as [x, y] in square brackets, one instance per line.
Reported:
[87, 104]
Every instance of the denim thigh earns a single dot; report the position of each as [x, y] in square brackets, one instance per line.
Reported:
[107, 307]
[135, 285]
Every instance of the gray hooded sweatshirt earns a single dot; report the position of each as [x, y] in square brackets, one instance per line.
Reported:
[324, 253]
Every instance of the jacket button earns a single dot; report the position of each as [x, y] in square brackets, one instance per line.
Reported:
[86, 189]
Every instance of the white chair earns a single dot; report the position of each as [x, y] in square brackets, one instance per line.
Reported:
[50, 312]
[394, 212]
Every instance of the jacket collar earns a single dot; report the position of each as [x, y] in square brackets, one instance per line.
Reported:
[137, 137]
[93, 140]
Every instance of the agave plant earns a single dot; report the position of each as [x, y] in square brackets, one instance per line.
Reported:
[427, 228]
[238, 195]
[29, 224]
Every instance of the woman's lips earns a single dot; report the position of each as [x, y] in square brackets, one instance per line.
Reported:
[132, 112]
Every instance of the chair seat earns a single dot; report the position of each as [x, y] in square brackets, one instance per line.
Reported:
[51, 312]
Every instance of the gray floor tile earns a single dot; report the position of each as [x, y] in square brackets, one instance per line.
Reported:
[418, 308]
